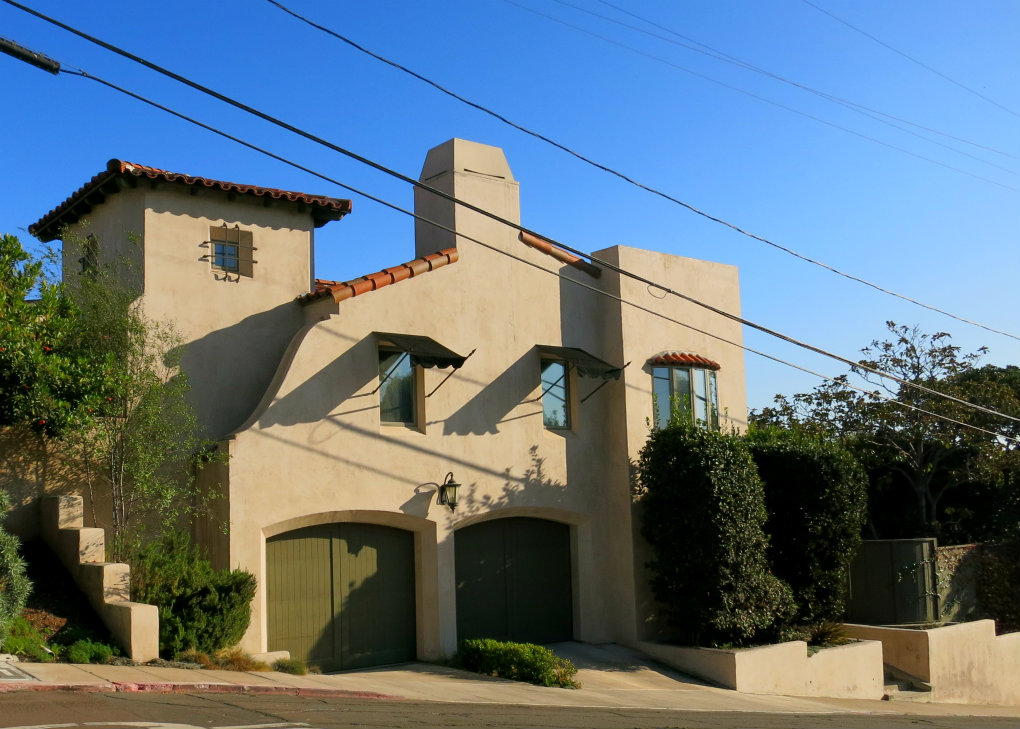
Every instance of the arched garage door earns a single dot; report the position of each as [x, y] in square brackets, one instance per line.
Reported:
[342, 595]
[513, 581]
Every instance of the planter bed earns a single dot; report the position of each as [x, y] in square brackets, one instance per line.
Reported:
[852, 671]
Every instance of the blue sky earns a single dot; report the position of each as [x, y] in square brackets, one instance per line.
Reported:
[939, 224]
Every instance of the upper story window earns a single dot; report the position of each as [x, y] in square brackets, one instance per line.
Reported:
[232, 250]
[684, 386]
[398, 391]
[89, 256]
[555, 395]
[402, 361]
[562, 368]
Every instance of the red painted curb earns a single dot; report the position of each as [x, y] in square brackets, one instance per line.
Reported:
[85, 688]
[7, 687]
[256, 690]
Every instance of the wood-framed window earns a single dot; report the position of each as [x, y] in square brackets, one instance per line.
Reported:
[232, 250]
[399, 389]
[89, 256]
[687, 393]
[556, 394]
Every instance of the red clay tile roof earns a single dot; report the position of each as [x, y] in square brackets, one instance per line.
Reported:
[558, 253]
[341, 290]
[120, 174]
[683, 358]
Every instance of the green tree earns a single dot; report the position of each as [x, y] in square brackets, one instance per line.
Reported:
[915, 454]
[14, 584]
[139, 452]
[46, 381]
[85, 367]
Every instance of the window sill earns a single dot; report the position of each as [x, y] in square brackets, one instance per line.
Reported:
[402, 427]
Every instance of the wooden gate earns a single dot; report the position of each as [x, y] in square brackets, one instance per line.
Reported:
[341, 596]
[514, 580]
[892, 582]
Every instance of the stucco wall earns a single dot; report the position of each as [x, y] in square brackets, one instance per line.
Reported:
[316, 451]
[234, 328]
[965, 663]
[31, 467]
[851, 671]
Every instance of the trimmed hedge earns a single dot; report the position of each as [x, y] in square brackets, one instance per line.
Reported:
[998, 583]
[704, 514]
[816, 498]
[516, 661]
[200, 609]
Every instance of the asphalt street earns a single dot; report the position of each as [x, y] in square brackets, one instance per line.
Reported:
[70, 710]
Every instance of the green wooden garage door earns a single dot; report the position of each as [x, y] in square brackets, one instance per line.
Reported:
[342, 595]
[513, 581]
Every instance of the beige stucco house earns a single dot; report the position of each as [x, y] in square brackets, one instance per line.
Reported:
[511, 368]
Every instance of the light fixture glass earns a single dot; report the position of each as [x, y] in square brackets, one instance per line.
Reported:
[448, 492]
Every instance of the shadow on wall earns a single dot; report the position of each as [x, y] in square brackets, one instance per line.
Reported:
[482, 414]
[30, 467]
[340, 379]
[532, 488]
[237, 364]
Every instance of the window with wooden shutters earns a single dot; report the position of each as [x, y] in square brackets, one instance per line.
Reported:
[232, 250]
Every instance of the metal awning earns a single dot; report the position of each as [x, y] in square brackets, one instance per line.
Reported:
[587, 365]
[423, 351]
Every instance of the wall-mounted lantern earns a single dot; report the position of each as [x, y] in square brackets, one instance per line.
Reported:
[448, 492]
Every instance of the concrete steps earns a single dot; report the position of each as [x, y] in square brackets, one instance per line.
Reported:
[901, 686]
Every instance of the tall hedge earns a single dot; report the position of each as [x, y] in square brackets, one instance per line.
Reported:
[704, 514]
[816, 498]
[200, 608]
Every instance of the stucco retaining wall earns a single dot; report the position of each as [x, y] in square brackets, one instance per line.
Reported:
[851, 671]
[965, 663]
[107, 585]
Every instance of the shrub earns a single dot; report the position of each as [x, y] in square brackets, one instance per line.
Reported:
[14, 585]
[26, 642]
[294, 666]
[200, 608]
[516, 661]
[816, 499]
[231, 659]
[88, 651]
[704, 514]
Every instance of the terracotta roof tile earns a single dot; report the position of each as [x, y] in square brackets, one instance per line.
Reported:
[340, 290]
[683, 358]
[540, 244]
[120, 174]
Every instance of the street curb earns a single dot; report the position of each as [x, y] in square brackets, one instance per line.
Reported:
[187, 688]
[36, 686]
[252, 689]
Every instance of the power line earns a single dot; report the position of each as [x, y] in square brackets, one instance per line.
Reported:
[624, 177]
[519, 259]
[752, 95]
[875, 114]
[911, 58]
[416, 216]
[508, 223]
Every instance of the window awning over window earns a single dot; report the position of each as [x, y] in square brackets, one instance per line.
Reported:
[665, 359]
[423, 351]
[587, 365]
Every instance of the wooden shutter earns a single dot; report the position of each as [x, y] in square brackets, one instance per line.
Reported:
[245, 254]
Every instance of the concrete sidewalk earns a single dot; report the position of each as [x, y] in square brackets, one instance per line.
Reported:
[611, 677]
